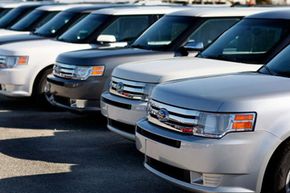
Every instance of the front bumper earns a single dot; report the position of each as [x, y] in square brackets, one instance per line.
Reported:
[14, 82]
[75, 95]
[231, 164]
[122, 114]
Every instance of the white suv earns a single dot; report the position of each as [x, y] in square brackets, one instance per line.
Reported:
[244, 47]
[25, 65]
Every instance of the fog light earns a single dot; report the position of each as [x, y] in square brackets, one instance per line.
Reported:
[212, 180]
[76, 103]
[196, 178]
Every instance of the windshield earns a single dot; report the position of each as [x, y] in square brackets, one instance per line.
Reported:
[102, 28]
[161, 35]
[279, 65]
[3, 11]
[250, 41]
[57, 24]
[12, 16]
[32, 20]
[84, 29]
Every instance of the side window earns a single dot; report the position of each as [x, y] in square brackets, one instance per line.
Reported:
[256, 39]
[46, 19]
[211, 29]
[165, 35]
[127, 28]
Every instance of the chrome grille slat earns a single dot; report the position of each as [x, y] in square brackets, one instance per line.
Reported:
[130, 89]
[157, 122]
[64, 70]
[136, 97]
[128, 82]
[175, 118]
[2, 62]
[174, 109]
[66, 66]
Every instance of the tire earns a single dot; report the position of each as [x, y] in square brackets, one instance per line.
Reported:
[39, 93]
[278, 172]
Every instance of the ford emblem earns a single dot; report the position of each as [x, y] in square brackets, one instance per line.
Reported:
[120, 87]
[163, 115]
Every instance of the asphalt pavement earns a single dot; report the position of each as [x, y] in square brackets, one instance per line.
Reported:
[53, 151]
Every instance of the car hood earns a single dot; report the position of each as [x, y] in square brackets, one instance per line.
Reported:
[100, 56]
[20, 37]
[241, 92]
[45, 46]
[178, 68]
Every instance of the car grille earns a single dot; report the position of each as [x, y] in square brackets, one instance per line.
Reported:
[64, 70]
[128, 89]
[173, 118]
[2, 62]
[158, 138]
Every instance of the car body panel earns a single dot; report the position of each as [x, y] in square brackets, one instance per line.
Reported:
[178, 68]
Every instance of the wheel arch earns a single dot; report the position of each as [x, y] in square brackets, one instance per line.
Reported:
[270, 163]
[38, 77]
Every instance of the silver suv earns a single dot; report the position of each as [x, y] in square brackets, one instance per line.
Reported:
[245, 47]
[225, 133]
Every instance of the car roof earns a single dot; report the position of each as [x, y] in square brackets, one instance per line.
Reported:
[85, 8]
[221, 11]
[60, 7]
[273, 14]
[29, 5]
[141, 10]
[17, 4]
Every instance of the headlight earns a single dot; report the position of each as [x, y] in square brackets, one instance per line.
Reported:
[77, 72]
[217, 125]
[12, 61]
[199, 123]
[84, 73]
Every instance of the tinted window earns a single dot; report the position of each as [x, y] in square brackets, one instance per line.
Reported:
[45, 19]
[12, 16]
[57, 24]
[164, 32]
[127, 28]
[3, 12]
[211, 29]
[32, 19]
[249, 41]
[82, 31]
[279, 65]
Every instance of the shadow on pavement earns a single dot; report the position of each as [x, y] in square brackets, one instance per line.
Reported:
[24, 114]
[21, 104]
[98, 161]
[103, 163]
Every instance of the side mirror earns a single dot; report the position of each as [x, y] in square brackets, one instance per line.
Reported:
[189, 46]
[106, 38]
[194, 46]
